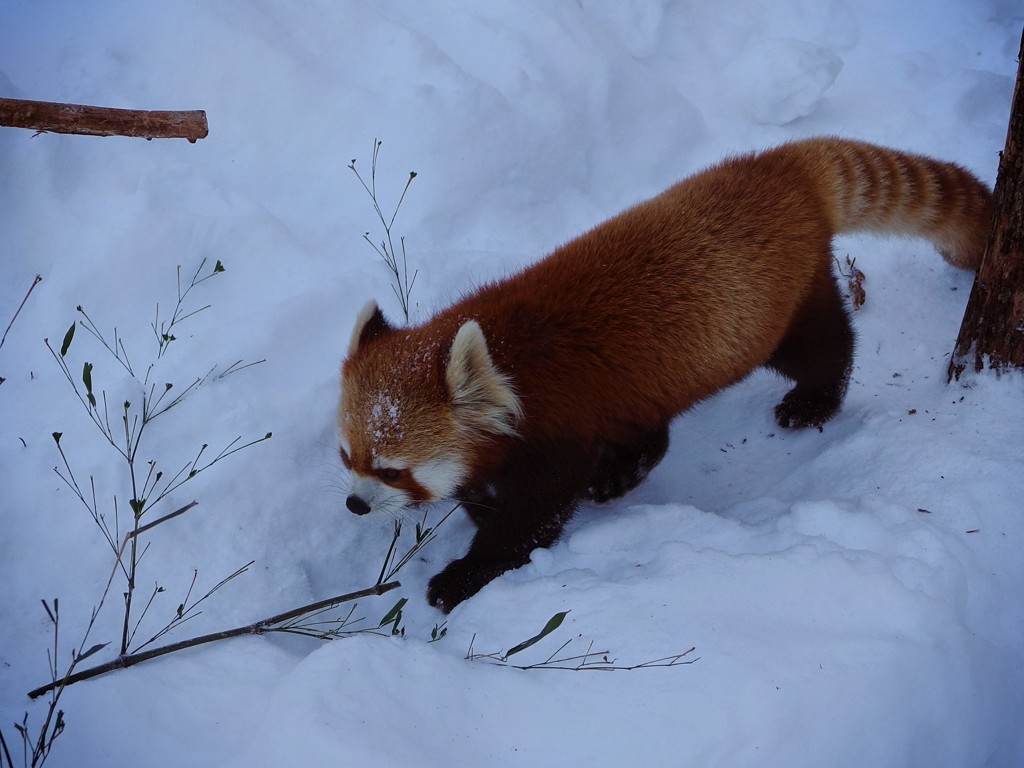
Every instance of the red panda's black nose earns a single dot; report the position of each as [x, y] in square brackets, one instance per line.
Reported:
[357, 505]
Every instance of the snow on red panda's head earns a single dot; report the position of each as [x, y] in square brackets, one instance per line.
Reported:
[416, 404]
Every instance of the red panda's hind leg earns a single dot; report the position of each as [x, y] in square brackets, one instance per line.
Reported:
[621, 468]
[817, 354]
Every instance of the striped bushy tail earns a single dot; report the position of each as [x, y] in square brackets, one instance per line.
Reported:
[875, 189]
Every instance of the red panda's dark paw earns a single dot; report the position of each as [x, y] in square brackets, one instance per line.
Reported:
[798, 411]
[453, 585]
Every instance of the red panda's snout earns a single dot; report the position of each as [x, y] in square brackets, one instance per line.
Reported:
[392, 495]
[357, 505]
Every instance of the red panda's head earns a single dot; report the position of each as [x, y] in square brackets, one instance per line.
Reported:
[416, 406]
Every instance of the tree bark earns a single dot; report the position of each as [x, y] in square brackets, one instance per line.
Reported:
[102, 121]
[992, 333]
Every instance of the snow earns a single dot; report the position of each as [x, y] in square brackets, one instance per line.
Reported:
[852, 595]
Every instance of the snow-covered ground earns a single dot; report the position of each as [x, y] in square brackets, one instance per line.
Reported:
[853, 595]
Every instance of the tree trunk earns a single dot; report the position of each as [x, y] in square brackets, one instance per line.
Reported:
[992, 333]
[102, 121]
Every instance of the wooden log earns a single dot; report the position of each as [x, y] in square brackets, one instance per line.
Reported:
[992, 332]
[47, 116]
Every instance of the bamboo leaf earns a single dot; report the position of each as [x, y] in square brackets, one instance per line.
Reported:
[67, 340]
[397, 609]
[553, 623]
[95, 649]
[87, 380]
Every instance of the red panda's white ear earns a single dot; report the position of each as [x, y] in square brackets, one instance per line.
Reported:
[370, 322]
[482, 396]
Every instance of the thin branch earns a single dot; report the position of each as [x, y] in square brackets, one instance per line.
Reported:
[232, 369]
[91, 327]
[188, 612]
[258, 628]
[17, 312]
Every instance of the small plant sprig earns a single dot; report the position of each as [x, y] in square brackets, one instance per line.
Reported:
[401, 284]
[164, 330]
[36, 748]
[591, 661]
[149, 485]
[424, 535]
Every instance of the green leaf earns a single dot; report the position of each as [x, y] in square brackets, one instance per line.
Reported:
[87, 380]
[218, 267]
[95, 649]
[553, 623]
[57, 436]
[137, 506]
[67, 340]
[394, 613]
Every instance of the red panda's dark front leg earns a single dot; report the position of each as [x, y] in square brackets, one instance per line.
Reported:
[534, 495]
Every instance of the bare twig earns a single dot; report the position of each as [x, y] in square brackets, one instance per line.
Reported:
[591, 661]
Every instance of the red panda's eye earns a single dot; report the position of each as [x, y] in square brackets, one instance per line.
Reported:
[345, 459]
[390, 474]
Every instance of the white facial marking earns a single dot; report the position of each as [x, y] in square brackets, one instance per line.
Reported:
[383, 462]
[440, 476]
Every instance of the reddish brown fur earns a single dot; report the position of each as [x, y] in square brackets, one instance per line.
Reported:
[615, 333]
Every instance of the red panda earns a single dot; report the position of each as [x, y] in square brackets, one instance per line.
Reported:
[557, 385]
